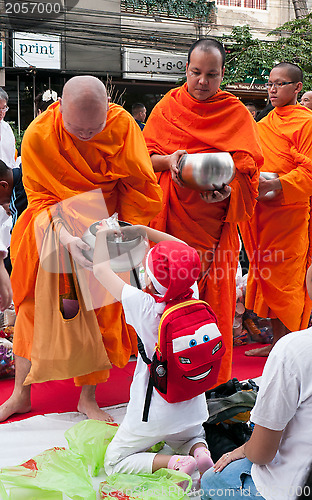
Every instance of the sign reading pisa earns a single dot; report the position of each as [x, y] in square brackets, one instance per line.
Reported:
[143, 64]
[36, 49]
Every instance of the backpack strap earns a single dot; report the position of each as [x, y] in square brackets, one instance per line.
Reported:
[148, 397]
[149, 389]
[142, 351]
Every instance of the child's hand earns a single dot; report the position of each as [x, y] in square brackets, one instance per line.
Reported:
[101, 226]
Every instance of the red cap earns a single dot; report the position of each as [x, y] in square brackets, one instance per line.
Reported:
[173, 268]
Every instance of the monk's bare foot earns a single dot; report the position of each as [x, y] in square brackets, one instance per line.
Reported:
[260, 351]
[92, 410]
[87, 404]
[15, 404]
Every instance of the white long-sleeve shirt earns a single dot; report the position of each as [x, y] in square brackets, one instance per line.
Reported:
[7, 154]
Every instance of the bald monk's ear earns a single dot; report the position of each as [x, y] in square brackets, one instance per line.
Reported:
[309, 281]
[4, 184]
[5, 189]
[223, 72]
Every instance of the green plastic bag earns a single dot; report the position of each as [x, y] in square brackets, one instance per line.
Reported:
[89, 439]
[34, 494]
[54, 470]
[161, 485]
[157, 447]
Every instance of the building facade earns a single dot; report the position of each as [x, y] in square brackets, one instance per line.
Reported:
[138, 47]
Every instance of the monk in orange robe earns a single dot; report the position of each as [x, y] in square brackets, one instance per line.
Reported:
[278, 237]
[78, 145]
[199, 118]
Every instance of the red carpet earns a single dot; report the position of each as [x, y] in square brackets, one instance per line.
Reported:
[62, 396]
[245, 367]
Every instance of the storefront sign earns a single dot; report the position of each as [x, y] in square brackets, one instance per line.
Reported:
[143, 64]
[246, 86]
[41, 51]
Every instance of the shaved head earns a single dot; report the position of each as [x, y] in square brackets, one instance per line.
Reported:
[84, 106]
[207, 45]
[306, 100]
[293, 70]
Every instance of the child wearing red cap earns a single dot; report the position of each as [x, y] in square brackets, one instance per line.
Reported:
[172, 269]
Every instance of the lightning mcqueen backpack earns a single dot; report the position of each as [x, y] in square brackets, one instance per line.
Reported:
[187, 357]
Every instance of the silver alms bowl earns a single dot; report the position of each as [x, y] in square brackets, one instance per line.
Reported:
[124, 255]
[206, 171]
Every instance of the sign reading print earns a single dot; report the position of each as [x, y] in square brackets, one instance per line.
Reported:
[38, 50]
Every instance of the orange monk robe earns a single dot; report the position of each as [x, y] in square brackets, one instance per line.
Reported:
[278, 237]
[58, 166]
[220, 123]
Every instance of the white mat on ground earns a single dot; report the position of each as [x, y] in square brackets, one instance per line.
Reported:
[22, 440]
[26, 438]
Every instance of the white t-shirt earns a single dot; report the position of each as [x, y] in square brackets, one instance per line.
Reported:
[144, 313]
[285, 402]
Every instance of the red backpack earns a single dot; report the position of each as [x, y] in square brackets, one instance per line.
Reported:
[188, 354]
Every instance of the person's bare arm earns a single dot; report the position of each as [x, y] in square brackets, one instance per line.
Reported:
[155, 235]
[262, 445]
[168, 162]
[101, 265]
[5, 287]
[260, 449]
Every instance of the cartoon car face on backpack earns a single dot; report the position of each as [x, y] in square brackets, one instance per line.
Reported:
[196, 358]
[194, 351]
[189, 353]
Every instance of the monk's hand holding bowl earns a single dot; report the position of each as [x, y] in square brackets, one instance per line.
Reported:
[217, 195]
[268, 185]
[75, 246]
[173, 165]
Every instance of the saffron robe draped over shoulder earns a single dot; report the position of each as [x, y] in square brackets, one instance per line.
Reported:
[278, 237]
[221, 123]
[57, 166]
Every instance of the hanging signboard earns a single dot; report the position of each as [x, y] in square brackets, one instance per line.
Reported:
[143, 64]
[36, 49]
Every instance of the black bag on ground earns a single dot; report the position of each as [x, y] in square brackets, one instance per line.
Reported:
[229, 407]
